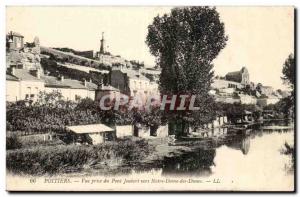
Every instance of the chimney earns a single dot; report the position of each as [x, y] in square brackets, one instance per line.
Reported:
[12, 70]
[85, 83]
[61, 78]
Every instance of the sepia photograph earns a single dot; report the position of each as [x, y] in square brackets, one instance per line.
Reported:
[150, 99]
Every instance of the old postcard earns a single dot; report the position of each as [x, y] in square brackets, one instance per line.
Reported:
[150, 98]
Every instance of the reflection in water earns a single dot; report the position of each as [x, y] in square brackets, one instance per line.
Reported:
[194, 163]
[241, 143]
[236, 154]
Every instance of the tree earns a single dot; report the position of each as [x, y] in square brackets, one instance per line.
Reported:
[288, 71]
[258, 87]
[185, 42]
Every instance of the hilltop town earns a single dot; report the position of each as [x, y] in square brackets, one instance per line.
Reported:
[32, 68]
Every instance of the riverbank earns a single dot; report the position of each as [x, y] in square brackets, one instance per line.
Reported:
[54, 159]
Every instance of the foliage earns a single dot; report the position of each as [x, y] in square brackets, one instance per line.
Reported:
[288, 71]
[236, 110]
[44, 117]
[149, 76]
[287, 105]
[185, 42]
[63, 158]
[13, 142]
[51, 114]
[283, 106]
[137, 65]
[51, 99]
[53, 69]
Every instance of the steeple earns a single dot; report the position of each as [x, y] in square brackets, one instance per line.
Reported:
[102, 42]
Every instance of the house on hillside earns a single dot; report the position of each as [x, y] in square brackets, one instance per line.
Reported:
[70, 89]
[22, 84]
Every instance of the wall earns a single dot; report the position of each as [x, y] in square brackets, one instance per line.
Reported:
[125, 130]
[266, 101]
[71, 94]
[163, 131]
[221, 83]
[13, 91]
[144, 132]
[110, 60]
[31, 87]
[118, 80]
[227, 99]
[100, 93]
[97, 138]
[247, 99]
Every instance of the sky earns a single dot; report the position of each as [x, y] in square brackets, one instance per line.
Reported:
[259, 38]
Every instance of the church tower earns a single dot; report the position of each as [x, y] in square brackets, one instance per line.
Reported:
[102, 43]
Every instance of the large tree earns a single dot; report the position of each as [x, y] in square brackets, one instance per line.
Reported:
[288, 71]
[185, 42]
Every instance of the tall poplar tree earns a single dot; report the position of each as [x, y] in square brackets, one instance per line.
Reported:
[185, 43]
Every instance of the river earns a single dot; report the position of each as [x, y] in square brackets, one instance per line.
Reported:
[252, 159]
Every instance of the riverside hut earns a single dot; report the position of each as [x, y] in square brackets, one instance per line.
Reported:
[91, 134]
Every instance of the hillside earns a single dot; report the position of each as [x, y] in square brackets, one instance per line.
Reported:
[61, 56]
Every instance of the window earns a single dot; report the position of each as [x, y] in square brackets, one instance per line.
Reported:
[77, 97]
[134, 92]
[36, 90]
[28, 90]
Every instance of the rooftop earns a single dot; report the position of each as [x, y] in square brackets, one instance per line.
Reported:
[108, 88]
[51, 81]
[15, 34]
[92, 128]
[24, 75]
[11, 77]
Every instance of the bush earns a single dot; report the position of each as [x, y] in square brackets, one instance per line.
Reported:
[60, 159]
[12, 142]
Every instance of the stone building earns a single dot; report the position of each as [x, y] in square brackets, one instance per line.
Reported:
[241, 76]
[14, 41]
[133, 83]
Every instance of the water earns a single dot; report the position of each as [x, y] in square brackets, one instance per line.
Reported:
[252, 159]
[235, 155]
